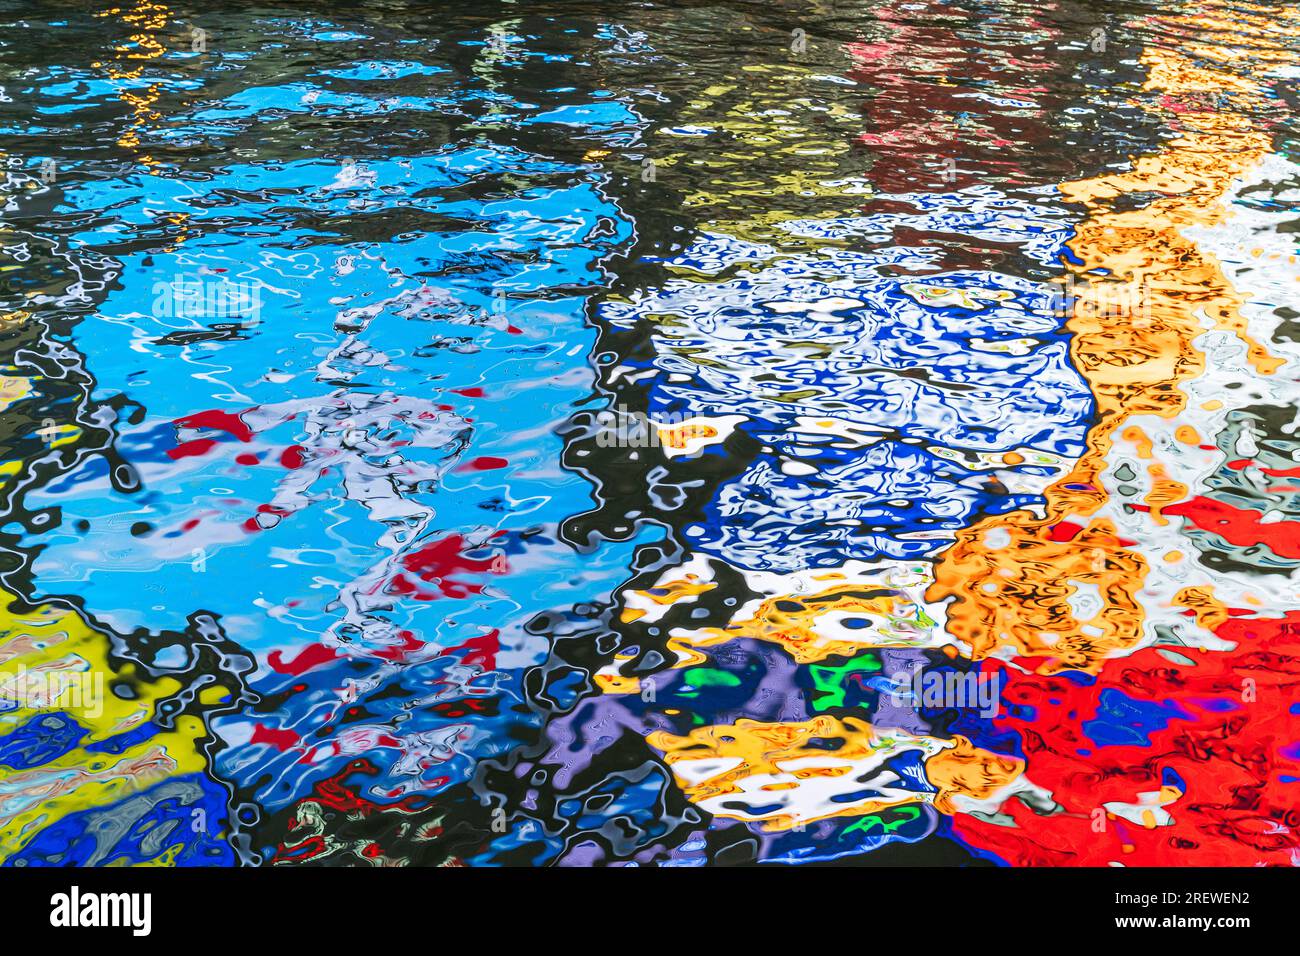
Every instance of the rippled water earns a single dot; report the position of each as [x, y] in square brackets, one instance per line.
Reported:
[667, 434]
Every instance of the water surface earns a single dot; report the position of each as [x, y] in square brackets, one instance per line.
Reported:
[671, 434]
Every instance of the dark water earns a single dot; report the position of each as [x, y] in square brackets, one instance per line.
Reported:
[675, 434]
